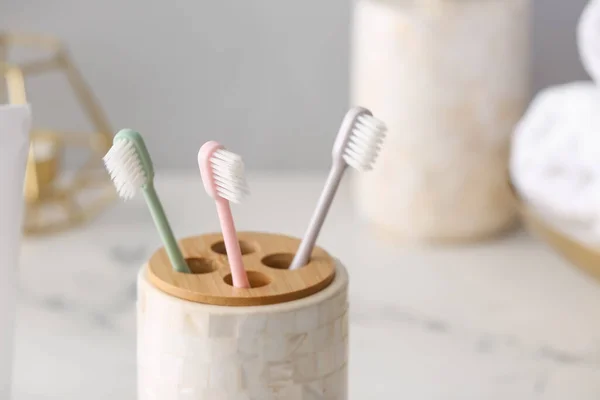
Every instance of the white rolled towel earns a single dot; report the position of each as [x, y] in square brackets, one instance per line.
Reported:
[555, 160]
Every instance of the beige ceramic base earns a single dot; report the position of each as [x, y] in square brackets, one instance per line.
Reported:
[450, 108]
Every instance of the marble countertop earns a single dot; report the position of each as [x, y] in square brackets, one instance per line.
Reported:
[494, 320]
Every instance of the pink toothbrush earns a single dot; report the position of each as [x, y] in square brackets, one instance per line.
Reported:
[224, 180]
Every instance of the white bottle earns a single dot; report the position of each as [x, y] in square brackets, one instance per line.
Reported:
[450, 78]
[15, 123]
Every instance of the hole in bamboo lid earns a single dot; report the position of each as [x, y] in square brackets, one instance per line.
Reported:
[278, 260]
[200, 265]
[256, 279]
[245, 248]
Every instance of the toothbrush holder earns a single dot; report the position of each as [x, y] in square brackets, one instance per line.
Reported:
[284, 338]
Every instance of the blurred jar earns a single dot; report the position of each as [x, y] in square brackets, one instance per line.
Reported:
[450, 78]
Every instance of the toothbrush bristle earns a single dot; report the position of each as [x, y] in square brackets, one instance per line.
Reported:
[229, 175]
[125, 168]
[365, 142]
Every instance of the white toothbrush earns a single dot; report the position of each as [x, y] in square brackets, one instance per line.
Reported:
[357, 145]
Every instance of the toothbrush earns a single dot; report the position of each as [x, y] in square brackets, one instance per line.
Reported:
[130, 167]
[357, 145]
[224, 180]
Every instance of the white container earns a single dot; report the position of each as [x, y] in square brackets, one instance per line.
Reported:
[294, 350]
[450, 78]
[15, 123]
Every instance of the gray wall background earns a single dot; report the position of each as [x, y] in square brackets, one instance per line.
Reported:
[267, 78]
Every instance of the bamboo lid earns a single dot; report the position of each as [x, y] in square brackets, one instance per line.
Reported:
[266, 257]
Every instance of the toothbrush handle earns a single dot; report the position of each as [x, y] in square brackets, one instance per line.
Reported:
[316, 223]
[164, 229]
[232, 246]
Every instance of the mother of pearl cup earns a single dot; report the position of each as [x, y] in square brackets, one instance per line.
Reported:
[201, 338]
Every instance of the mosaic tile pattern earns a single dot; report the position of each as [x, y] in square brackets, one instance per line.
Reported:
[290, 351]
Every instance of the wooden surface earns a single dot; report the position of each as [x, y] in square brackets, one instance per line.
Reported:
[266, 257]
[580, 255]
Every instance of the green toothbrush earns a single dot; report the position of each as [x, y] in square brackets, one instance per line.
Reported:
[130, 167]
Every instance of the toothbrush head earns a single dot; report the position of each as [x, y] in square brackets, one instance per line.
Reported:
[222, 172]
[359, 140]
[129, 163]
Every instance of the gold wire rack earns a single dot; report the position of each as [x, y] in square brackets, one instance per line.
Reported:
[57, 197]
